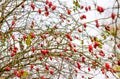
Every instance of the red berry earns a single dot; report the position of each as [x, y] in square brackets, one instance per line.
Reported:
[53, 7]
[21, 71]
[44, 51]
[47, 67]
[42, 77]
[47, 1]
[90, 48]
[107, 28]
[96, 44]
[97, 24]
[12, 54]
[84, 25]
[79, 30]
[31, 66]
[39, 11]
[51, 58]
[68, 12]
[78, 65]
[32, 6]
[46, 8]
[88, 68]
[69, 37]
[107, 66]
[81, 7]
[113, 15]
[15, 72]
[101, 53]
[40, 58]
[51, 72]
[24, 36]
[83, 17]
[13, 37]
[70, 45]
[46, 13]
[33, 49]
[50, 4]
[13, 22]
[86, 8]
[23, 5]
[7, 68]
[114, 71]
[119, 62]
[89, 7]
[75, 50]
[118, 45]
[18, 74]
[82, 76]
[37, 69]
[32, 35]
[15, 48]
[103, 71]
[83, 59]
[100, 9]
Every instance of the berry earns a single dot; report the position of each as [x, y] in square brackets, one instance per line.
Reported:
[113, 15]
[119, 62]
[50, 4]
[47, 1]
[42, 77]
[69, 37]
[47, 67]
[15, 72]
[100, 9]
[46, 13]
[107, 28]
[88, 68]
[23, 5]
[83, 17]
[44, 52]
[46, 8]
[39, 11]
[79, 30]
[86, 8]
[84, 25]
[107, 66]
[37, 69]
[51, 58]
[18, 74]
[68, 12]
[31, 66]
[78, 65]
[96, 44]
[32, 6]
[24, 36]
[101, 53]
[13, 37]
[51, 72]
[53, 7]
[118, 45]
[12, 54]
[90, 48]
[33, 49]
[32, 35]
[83, 59]
[13, 22]
[7, 68]
[40, 58]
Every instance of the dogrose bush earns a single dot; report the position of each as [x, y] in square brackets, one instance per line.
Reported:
[49, 39]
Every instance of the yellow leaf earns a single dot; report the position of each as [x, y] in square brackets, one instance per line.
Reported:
[25, 73]
[28, 41]
[117, 68]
